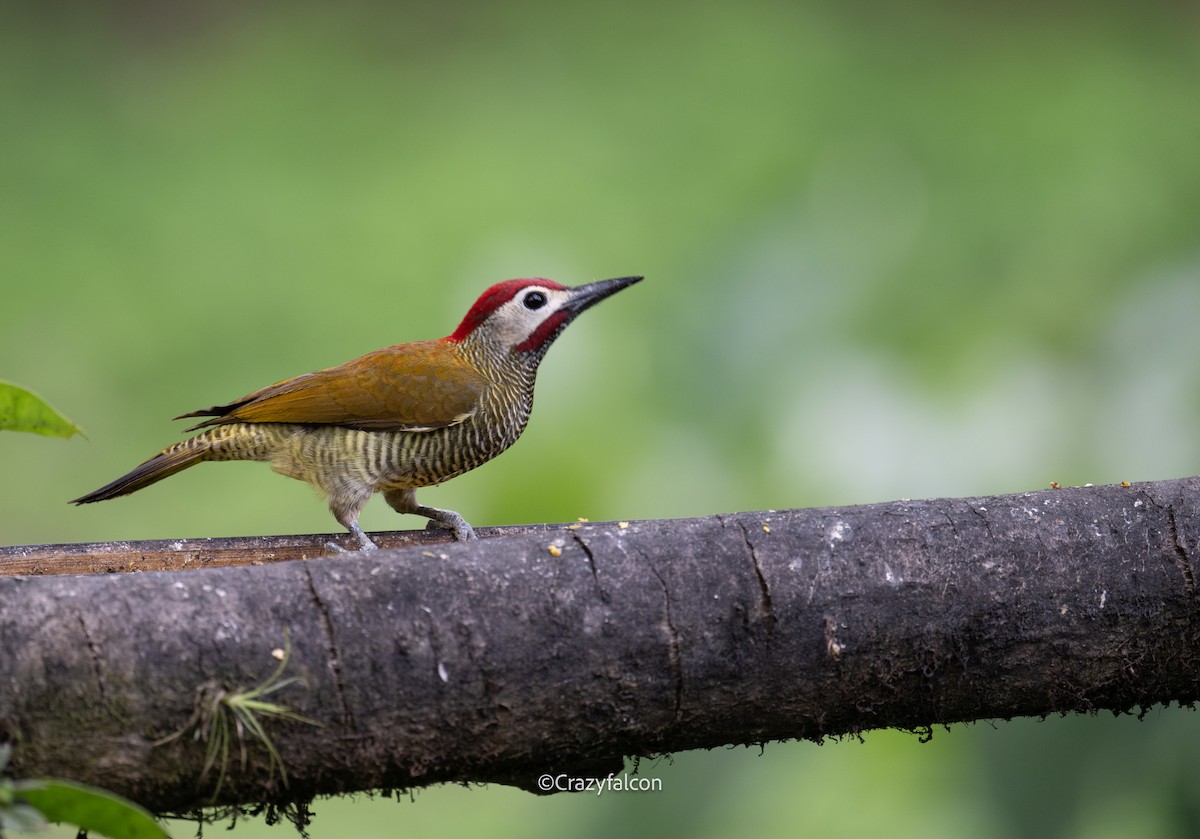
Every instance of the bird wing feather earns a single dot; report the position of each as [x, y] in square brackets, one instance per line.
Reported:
[419, 386]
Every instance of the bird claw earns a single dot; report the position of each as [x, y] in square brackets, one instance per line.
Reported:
[462, 531]
[365, 545]
[446, 520]
[335, 548]
[462, 534]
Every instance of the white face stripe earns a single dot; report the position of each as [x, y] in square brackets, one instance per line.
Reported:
[513, 322]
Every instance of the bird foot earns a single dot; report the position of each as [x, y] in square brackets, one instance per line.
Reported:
[465, 534]
[365, 545]
[447, 520]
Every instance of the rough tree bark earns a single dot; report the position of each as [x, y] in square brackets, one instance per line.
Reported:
[564, 650]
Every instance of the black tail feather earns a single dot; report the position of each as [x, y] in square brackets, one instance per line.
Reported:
[162, 465]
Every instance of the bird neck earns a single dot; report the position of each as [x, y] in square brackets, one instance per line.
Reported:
[510, 374]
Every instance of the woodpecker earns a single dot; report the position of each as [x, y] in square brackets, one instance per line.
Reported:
[394, 420]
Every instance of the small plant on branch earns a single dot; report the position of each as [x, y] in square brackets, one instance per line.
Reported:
[221, 716]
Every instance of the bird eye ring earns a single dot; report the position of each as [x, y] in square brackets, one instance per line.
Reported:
[534, 300]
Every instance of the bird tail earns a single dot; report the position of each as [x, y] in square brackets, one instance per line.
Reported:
[229, 442]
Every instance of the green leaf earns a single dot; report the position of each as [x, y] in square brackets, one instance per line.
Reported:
[21, 818]
[89, 808]
[21, 410]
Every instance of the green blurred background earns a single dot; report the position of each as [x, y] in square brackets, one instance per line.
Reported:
[892, 250]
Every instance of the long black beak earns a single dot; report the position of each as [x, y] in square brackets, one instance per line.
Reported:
[586, 296]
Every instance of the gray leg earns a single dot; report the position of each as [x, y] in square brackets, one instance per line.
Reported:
[405, 501]
[346, 503]
[364, 541]
[448, 520]
[365, 545]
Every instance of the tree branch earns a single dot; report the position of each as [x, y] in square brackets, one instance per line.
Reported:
[563, 650]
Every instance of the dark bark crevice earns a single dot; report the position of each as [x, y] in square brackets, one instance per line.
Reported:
[335, 659]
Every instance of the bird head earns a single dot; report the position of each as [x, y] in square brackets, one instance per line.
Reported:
[523, 317]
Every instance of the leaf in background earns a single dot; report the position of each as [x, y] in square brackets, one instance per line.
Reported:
[21, 818]
[21, 410]
[89, 808]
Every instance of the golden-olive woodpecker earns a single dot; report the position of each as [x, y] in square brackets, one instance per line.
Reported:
[407, 416]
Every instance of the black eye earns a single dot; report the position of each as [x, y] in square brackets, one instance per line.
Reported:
[534, 300]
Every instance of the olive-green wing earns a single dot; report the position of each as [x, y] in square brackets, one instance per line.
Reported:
[411, 387]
